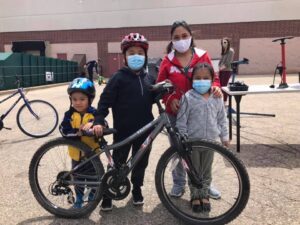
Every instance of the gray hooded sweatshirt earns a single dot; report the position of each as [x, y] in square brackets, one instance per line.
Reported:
[202, 118]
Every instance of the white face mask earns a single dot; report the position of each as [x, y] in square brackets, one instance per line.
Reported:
[182, 45]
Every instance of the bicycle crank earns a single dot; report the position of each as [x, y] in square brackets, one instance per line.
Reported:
[115, 186]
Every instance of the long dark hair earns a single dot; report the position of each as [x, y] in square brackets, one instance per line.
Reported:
[203, 65]
[179, 23]
[223, 52]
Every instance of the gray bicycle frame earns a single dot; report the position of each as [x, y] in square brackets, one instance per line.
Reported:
[158, 124]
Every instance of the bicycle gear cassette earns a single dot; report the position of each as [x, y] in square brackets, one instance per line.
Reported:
[115, 187]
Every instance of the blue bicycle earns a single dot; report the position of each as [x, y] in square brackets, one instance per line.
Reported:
[36, 118]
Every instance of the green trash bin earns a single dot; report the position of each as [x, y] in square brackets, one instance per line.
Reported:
[26, 71]
[64, 71]
[49, 76]
[54, 69]
[41, 70]
[34, 70]
[10, 68]
[59, 70]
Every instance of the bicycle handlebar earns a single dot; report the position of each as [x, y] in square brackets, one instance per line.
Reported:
[106, 131]
[162, 87]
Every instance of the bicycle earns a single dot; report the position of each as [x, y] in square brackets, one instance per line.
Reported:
[55, 184]
[35, 118]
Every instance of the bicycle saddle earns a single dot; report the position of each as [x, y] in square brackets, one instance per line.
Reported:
[282, 38]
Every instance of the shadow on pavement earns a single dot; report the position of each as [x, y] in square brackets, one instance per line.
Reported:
[133, 215]
[270, 155]
[52, 220]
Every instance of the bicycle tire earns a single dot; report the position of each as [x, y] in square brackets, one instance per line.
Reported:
[38, 128]
[60, 205]
[229, 164]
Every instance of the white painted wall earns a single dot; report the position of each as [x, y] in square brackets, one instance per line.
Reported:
[33, 15]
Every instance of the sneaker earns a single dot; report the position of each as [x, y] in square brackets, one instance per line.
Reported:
[176, 193]
[79, 201]
[137, 196]
[214, 193]
[77, 205]
[106, 205]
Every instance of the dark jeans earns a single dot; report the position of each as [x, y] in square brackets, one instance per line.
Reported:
[90, 72]
[86, 169]
[224, 78]
[120, 157]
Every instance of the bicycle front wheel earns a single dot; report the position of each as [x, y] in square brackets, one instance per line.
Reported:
[62, 192]
[37, 119]
[224, 171]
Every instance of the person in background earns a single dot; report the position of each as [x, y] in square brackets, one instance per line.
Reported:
[202, 116]
[225, 70]
[177, 67]
[90, 65]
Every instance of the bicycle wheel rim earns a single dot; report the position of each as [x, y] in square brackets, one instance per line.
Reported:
[228, 176]
[52, 162]
[41, 123]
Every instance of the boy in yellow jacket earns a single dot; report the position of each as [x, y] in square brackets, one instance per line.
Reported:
[79, 117]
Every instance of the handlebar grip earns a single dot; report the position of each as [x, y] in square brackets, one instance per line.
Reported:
[106, 131]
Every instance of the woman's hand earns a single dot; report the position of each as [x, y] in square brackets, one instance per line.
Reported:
[217, 92]
[98, 130]
[222, 68]
[175, 105]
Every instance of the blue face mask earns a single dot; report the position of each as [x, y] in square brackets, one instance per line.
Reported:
[136, 62]
[202, 86]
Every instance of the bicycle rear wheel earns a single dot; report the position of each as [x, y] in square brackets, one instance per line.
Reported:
[64, 194]
[40, 126]
[228, 175]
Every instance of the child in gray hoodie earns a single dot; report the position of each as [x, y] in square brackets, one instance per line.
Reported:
[202, 116]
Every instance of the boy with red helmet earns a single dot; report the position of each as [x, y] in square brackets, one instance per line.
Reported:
[127, 94]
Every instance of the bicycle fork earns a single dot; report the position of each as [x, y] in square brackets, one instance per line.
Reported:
[184, 152]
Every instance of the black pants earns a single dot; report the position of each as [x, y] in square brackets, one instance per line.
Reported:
[120, 157]
[90, 72]
[86, 170]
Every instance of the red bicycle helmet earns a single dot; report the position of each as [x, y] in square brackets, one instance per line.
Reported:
[134, 39]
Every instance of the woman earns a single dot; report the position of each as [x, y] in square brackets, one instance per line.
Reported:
[177, 67]
[225, 64]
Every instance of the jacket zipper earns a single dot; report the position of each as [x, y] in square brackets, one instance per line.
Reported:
[142, 90]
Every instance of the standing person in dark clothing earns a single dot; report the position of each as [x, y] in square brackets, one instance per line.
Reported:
[127, 93]
[90, 65]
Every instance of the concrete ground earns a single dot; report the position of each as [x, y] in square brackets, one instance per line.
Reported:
[270, 149]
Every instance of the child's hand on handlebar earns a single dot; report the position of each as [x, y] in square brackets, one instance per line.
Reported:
[98, 130]
[86, 126]
[226, 143]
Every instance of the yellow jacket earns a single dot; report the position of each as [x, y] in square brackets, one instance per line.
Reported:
[71, 124]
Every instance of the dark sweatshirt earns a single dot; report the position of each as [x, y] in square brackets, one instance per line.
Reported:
[130, 99]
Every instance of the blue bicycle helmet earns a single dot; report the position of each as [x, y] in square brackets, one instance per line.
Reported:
[83, 85]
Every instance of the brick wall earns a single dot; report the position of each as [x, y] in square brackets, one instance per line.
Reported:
[235, 31]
